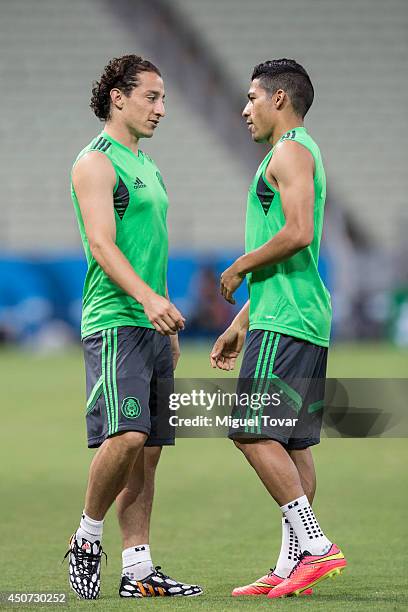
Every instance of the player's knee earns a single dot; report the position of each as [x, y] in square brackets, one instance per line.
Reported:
[239, 445]
[130, 493]
[247, 447]
[151, 457]
[131, 441]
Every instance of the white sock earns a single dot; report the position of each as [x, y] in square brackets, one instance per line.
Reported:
[289, 552]
[89, 529]
[301, 516]
[137, 562]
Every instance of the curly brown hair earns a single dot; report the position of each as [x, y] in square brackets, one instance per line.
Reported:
[120, 72]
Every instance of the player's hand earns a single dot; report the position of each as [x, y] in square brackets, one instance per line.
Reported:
[230, 280]
[227, 348]
[163, 315]
[175, 349]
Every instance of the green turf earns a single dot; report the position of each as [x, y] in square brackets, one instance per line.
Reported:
[213, 522]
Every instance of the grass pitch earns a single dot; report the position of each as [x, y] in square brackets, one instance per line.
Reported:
[213, 523]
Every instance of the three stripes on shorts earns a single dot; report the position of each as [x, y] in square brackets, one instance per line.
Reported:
[109, 383]
[263, 374]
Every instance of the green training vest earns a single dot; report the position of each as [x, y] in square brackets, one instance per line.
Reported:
[289, 297]
[140, 202]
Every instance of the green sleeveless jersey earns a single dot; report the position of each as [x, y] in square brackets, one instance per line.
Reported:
[289, 297]
[140, 203]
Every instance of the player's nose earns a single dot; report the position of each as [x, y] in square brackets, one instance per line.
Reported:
[159, 109]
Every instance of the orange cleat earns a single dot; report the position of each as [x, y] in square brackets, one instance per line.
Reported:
[309, 570]
[262, 586]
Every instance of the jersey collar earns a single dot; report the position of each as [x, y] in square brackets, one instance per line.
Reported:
[139, 154]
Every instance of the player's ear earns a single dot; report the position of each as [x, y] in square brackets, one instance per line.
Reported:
[279, 98]
[116, 97]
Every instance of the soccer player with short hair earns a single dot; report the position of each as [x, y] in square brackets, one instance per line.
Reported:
[288, 316]
[129, 327]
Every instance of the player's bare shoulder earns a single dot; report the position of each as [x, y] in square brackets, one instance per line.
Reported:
[290, 158]
[93, 167]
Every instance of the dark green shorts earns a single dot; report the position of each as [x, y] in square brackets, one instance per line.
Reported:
[290, 374]
[122, 366]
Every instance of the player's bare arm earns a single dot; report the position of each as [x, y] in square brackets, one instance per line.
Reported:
[175, 349]
[174, 340]
[290, 172]
[94, 179]
[228, 346]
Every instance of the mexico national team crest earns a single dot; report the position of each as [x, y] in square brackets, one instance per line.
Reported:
[131, 407]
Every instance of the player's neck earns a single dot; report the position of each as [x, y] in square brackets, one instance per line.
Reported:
[122, 135]
[281, 129]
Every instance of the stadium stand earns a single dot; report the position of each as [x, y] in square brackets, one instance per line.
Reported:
[51, 51]
[356, 52]
[48, 122]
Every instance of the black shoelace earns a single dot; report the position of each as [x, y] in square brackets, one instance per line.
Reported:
[159, 573]
[87, 562]
[299, 561]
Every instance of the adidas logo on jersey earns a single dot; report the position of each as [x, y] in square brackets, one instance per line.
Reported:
[138, 184]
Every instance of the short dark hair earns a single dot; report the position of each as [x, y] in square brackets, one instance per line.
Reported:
[290, 76]
[120, 72]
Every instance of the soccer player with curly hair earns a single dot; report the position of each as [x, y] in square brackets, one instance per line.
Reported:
[129, 327]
